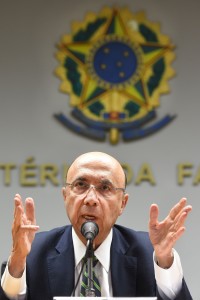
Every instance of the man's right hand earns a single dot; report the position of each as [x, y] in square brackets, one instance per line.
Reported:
[23, 232]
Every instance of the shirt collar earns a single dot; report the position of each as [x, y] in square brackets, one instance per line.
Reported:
[102, 252]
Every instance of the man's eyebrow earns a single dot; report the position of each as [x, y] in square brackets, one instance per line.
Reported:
[102, 181]
[106, 181]
[80, 178]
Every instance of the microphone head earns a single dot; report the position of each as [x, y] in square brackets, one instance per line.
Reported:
[89, 230]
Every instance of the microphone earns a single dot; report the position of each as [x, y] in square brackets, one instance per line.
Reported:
[89, 230]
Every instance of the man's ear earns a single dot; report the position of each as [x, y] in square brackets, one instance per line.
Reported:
[124, 203]
[64, 192]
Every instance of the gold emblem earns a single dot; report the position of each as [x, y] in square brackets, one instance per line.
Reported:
[114, 66]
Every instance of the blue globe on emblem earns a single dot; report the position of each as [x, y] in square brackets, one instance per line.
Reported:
[115, 62]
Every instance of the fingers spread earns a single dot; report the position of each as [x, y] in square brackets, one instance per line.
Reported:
[24, 215]
[181, 218]
[177, 208]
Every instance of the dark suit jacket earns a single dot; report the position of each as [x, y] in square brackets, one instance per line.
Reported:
[50, 265]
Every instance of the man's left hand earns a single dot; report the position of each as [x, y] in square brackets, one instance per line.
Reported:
[163, 235]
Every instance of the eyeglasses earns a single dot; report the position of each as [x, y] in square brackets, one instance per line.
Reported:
[104, 189]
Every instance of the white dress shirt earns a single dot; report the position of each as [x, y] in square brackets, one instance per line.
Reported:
[169, 281]
[102, 268]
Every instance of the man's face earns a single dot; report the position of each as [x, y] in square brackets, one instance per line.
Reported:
[91, 204]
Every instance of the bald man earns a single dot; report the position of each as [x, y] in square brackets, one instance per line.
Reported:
[130, 263]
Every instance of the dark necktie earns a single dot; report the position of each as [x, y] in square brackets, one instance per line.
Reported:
[84, 283]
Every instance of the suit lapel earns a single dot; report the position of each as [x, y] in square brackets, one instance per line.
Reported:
[61, 266]
[123, 267]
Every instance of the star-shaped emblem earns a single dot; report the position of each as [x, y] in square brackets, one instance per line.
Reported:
[114, 67]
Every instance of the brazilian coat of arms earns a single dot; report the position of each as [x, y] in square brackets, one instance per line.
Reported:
[114, 66]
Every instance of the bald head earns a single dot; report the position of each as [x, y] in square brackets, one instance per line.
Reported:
[96, 160]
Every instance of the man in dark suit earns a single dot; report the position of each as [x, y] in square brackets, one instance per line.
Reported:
[130, 263]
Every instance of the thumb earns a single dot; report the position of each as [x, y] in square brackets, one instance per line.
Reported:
[153, 215]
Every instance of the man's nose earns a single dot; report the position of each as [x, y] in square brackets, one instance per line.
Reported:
[91, 197]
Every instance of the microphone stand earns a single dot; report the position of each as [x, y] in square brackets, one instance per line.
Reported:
[90, 291]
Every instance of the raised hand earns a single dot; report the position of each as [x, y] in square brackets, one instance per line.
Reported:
[164, 234]
[23, 232]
